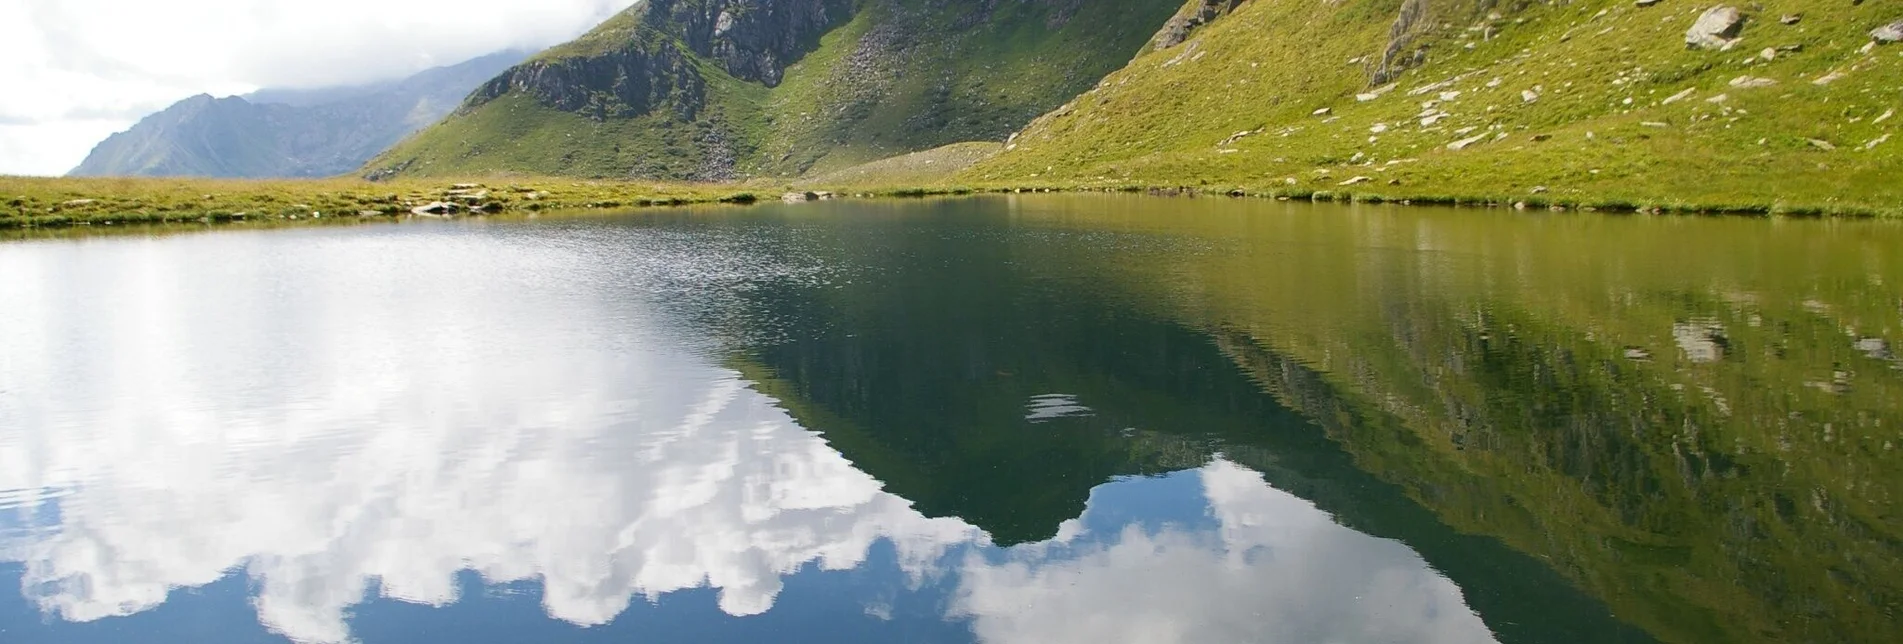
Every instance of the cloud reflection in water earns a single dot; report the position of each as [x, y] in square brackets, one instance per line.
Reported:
[198, 413]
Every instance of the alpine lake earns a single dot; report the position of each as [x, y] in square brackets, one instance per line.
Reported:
[1032, 418]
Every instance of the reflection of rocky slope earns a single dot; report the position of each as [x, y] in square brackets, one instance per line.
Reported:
[1702, 434]
[935, 373]
[287, 133]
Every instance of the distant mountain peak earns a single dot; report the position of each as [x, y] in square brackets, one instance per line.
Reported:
[287, 132]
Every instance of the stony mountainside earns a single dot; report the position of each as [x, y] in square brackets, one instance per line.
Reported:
[1770, 105]
[287, 133]
[727, 89]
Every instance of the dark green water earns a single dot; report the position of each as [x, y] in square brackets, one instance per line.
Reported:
[1005, 420]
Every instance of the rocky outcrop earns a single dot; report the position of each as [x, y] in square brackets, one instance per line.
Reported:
[629, 81]
[1399, 55]
[1196, 14]
[753, 40]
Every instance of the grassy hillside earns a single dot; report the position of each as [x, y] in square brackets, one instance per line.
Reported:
[651, 94]
[1581, 102]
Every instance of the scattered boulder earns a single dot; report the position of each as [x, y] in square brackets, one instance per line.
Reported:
[1877, 348]
[1376, 92]
[1791, 18]
[793, 197]
[1356, 181]
[1751, 82]
[1703, 341]
[1645, 3]
[465, 186]
[1717, 28]
[435, 209]
[1889, 33]
[79, 202]
[1323, 112]
[1464, 143]
[471, 197]
[1528, 96]
[1821, 144]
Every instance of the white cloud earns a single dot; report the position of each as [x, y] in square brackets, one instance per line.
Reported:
[73, 70]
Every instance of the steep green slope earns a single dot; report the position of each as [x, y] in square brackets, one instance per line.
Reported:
[727, 89]
[1594, 101]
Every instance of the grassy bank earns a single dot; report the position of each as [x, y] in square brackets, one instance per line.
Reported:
[50, 202]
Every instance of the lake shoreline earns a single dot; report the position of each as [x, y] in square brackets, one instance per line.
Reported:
[53, 203]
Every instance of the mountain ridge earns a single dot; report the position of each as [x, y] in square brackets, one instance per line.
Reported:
[287, 133]
[671, 89]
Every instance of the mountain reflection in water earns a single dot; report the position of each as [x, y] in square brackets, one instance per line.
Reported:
[999, 419]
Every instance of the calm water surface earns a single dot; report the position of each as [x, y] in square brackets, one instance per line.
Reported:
[1054, 419]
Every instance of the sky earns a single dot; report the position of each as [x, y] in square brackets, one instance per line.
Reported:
[75, 71]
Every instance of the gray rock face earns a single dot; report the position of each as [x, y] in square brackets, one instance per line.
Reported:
[1400, 54]
[757, 38]
[625, 82]
[1715, 29]
[1889, 33]
[753, 40]
[1193, 16]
